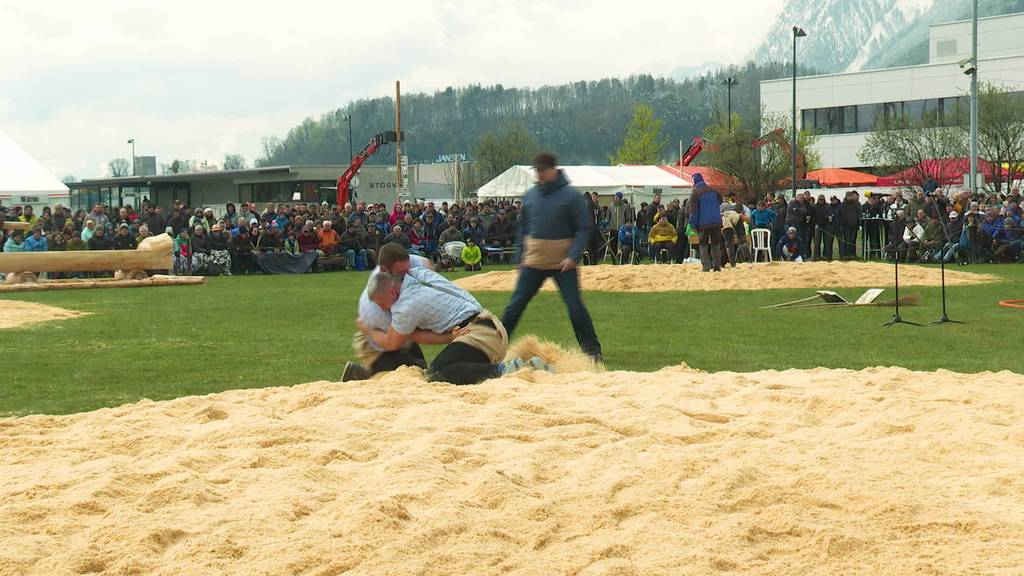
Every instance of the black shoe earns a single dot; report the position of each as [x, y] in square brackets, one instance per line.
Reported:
[354, 371]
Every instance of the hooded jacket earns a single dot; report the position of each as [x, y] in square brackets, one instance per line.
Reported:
[705, 207]
[554, 224]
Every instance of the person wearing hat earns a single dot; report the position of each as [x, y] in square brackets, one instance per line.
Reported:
[705, 216]
[328, 239]
[788, 248]
[955, 239]
[218, 242]
[100, 240]
[123, 240]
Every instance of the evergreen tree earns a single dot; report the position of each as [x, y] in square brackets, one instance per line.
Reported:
[643, 142]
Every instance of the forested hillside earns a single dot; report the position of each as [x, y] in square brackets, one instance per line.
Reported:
[582, 121]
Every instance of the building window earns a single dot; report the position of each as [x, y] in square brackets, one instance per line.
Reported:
[945, 48]
[866, 117]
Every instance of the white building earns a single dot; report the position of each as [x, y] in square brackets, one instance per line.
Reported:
[842, 108]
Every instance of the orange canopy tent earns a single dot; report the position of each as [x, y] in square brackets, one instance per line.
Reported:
[842, 177]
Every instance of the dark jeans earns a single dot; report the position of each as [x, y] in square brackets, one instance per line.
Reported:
[461, 364]
[711, 249]
[823, 241]
[530, 281]
[848, 243]
[388, 361]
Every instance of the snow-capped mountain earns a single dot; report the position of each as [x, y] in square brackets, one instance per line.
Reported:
[850, 35]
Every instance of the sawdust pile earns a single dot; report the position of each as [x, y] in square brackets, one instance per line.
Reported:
[882, 471]
[15, 314]
[690, 277]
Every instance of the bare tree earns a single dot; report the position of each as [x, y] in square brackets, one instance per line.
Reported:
[911, 148]
[118, 167]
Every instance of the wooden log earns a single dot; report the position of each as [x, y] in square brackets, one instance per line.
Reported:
[15, 225]
[158, 256]
[157, 280]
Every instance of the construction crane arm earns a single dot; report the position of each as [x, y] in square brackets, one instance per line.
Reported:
[371, 148]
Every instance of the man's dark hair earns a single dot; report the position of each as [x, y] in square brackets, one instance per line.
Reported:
[390, 253]
[545, 160]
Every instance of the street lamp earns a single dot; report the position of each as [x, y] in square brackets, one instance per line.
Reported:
[132, 142]
[797, 33]
[351, 155]
[729, 83]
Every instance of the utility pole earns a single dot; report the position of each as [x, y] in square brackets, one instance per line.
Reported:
[351, 153]
[729, 83]
[797, 33]
[398, 139]
[132, 142]
[974, 99]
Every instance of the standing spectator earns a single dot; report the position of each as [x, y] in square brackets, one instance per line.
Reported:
[471, 256]
[554, 228]
[618, 215]
[796, 216]
[706, 217]
[99, 215]
[821, 247]
[849, 219]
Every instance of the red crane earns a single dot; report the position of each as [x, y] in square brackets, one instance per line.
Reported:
[345, 180]
[696, 147]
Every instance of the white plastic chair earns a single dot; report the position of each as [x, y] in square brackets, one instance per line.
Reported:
[761, 239]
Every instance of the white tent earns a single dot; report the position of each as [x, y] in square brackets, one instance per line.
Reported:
[637, 183]
[24, 181]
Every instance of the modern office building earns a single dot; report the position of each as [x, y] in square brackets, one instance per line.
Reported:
[843, 108]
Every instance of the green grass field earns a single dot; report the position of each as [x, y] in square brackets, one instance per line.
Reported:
[161, 343]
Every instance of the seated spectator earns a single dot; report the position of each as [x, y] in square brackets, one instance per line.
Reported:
[351, 243]
[200, 249]
[143, 234]
[328, 239]
[954, 236]
[241, 248]
[397, 235]
[269, 239]
[99, 240]
[123, 240]
[450, 232]
[75, 241]
[14, 243]
[501, 234]
[662, 240]
[57, 243]
[1006, 243]
[291, 243]
[308, 239]
[473, 231]
[183, 253]
[28, 216]
[471, 256]
[913, 236]
[788, 247]
[218, 242]
[241, 225]
[628, 242]
[36, 242]
[933, 238]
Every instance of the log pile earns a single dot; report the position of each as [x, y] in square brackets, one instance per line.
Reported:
[73, 284]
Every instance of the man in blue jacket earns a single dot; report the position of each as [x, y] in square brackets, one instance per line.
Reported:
[627, 241]
[554, 229]
[706, 217]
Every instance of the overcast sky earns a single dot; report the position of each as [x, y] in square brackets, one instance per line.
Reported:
[197, 79]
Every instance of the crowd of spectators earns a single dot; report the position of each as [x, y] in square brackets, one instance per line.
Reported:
[230, 242]
[916, 227]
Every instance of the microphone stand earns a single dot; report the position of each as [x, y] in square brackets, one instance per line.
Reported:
[945, 318]
[896, 319]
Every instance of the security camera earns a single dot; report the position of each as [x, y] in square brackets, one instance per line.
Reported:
[967, 66]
